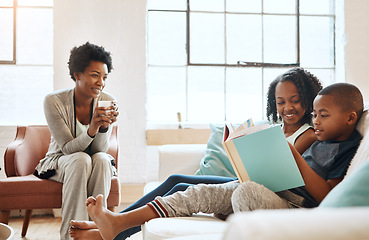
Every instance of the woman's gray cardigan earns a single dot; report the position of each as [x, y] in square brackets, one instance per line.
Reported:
[60, 116]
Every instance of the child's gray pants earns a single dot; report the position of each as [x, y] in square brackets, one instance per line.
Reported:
[222, 199]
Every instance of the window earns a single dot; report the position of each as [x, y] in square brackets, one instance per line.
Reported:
[26, 58]
[212, 60]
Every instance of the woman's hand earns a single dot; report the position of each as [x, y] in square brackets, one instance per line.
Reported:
[114, 112]
[103, 118]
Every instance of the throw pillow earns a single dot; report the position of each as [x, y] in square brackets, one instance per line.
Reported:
[215, 161]
[352, 191]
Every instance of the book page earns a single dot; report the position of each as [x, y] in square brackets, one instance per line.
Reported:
[231, 131]
[244, 131]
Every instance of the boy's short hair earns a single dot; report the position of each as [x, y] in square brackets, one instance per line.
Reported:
[347, 96]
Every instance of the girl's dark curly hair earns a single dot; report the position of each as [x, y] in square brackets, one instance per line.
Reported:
[307, 86]
[81, 56]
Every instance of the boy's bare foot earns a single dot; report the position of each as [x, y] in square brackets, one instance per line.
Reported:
[110, 224]
[105, 220]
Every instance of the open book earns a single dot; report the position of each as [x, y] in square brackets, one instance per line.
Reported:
[261, 154]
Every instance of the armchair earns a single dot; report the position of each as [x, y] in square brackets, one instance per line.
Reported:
[22, 190]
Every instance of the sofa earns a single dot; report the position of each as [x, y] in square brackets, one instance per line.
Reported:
[342, 215]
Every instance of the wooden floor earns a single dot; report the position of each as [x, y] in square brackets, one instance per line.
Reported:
[44, 228]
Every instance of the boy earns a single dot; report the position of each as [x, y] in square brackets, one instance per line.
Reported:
[337, 109]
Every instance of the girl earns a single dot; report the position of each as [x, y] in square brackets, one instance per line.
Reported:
[290, 98]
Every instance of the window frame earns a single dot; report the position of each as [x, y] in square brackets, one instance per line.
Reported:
[241, 63]
[19, 73]
[14, 60]
[15, 8]
[263, 66]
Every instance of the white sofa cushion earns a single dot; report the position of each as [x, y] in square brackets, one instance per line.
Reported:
[302, 224]
[198, 224]
[179, 159]
[362, 152]
[218, 236]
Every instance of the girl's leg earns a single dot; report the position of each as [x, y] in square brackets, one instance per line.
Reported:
[173, 184]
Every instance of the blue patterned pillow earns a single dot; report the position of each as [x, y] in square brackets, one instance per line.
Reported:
[215, 161]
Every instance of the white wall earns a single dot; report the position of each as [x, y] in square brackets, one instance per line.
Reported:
[119, 26]
[357, 44]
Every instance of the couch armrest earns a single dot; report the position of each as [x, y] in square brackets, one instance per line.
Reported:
[179, 159]
[328, 223]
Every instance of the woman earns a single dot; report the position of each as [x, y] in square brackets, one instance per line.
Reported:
[80, 132]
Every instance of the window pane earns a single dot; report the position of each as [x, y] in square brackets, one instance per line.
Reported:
[244, 38]
[316, 7]
[317, 42]
[206, 94]
[207, 38]
[269, 75]
[35, 36]
[280, 39]
[280, 6]
[244, 94]
[6, 3]
[47, 3]
[249, 6]
[166, 93]
[207, 5]
[326, 76]
[6, 34]
[167, 4]
[24, 89]
[167, 38]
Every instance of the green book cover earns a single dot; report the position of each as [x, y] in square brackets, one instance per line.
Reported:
[267, 159]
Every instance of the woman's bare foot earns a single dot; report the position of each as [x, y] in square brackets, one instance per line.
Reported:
[106, 221]
[85, 234]
[83, 224]
[84, 230]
